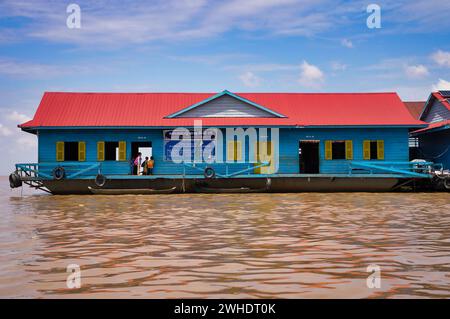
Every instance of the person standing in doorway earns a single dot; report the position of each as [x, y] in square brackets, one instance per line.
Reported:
[137, 163]
[150, 164]
[144, 166]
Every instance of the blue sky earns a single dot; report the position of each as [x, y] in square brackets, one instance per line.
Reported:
[208, 46]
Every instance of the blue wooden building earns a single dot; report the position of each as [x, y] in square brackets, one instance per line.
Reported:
[434, 140]
[253, 141]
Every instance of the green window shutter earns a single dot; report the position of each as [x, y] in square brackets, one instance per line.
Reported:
[81, 151]
[380, 149]
[328, 150]
[122, 151]
[366, 150]
[349, 149]
[100, 151]
[59, 151]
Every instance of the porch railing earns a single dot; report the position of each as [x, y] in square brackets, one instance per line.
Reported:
[44, 171]
[201, 167]
[407, 169]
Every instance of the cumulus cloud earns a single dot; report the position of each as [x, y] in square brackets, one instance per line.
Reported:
[249, 79]
[416, 71]
[441, 85]
[347, 43]
[442, 58]
[19, 146]
[4, 131]
[310, 75]
[18, 117]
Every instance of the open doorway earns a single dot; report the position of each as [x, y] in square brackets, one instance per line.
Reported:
[145, 148]
[308, 152]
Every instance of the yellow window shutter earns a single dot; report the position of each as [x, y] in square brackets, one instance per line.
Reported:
[230, 151]
[59, 151]
[366, 150]
[380, 149]
[238, 151]
[328, 150]
[349, 149]
[81, 151]
[122, 151]
[100, 151]
[269, 169]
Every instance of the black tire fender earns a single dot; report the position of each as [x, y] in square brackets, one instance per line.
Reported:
[209, 172]
[100, 180]
[59, 173]
[15, 180]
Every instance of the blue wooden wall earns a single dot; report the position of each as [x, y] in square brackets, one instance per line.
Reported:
[395, 144]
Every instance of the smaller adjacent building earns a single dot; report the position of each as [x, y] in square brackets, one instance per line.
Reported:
[434, 140]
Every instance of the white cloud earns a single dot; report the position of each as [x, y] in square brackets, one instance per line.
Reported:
[122, 22]
[250, 79]
[347, 43]
[17, 68]
[338, 66]
[416, 71]
[26, 142]
[4, 131]
[263, 67]
[441, 85]
[442, 58]
[211, 59]
[18, 117]
[310, 75]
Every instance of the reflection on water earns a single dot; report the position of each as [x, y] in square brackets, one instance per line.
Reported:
[225, 246]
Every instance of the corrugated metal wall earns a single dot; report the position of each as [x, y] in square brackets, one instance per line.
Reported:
[395, 141]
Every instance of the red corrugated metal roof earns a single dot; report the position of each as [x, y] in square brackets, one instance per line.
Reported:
[433, 126]
[415, 108]
[150, 109]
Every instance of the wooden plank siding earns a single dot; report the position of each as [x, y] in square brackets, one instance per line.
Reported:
[226, 106]
[395, 147]
[436, 113]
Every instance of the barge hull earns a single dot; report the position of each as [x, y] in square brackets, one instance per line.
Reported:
[226, 185]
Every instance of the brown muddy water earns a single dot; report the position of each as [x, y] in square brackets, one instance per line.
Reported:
[316, 245]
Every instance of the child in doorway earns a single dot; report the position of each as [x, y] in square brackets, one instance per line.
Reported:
[144, 166]
[150, 164]
[137, 163]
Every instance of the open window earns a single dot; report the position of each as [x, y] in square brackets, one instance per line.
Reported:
[111, 151]
[373, 150]
[339, 150]
[70, 151]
